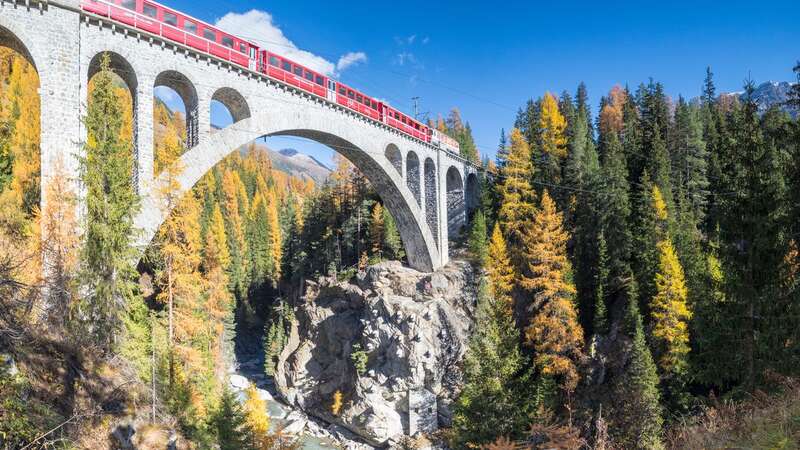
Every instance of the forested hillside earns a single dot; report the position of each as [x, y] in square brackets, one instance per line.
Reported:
[638, 277]
[641, 265]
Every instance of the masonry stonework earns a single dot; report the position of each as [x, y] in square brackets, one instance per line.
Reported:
[63, 42]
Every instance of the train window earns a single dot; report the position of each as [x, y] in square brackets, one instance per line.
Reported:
[351, 94]
[359, 98]
[374, 104]
[309, 76]
[298, 71]
[191, 27]
[287, 66]
[319, 80]
[342, 91]
[150, 11]
[273, 61]
[210, 35]
[129, 4]
[228, 42]
[170, 19]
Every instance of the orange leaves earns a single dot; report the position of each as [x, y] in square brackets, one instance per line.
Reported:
[554, 332]
[612, 112]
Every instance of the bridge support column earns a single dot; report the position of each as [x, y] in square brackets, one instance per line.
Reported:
[203, 115]
[444, 238]
[145, 158]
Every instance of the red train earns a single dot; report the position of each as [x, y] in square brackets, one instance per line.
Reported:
[158, 19]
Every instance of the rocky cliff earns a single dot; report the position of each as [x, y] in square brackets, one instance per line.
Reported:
[390, 341]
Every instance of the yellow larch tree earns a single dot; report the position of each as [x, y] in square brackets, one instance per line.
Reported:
[554, 332]
[376, 226]
[517, 196]
[257, 418]
[553, 125]
[670, 312]
[275, 231]
[219, 301]
[500, 271]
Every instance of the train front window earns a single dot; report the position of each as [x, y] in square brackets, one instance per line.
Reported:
[150, 11]
[171, 19]
[191, 27]
[210, 35]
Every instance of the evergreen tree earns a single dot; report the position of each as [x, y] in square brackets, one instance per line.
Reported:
[502, 151]
[230, 424]
[107, 256]
[752, 246]
[637, 421]
[477, 239]
[690, 159]
[600, 312]
[392, 244]
[494, 401]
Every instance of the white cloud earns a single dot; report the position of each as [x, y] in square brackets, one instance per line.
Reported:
[411, 39]
[350, 59]
[425, 40]
[259, 27]
[166, 94]
[403, 58]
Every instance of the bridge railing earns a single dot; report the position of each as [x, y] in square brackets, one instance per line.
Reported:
[167, 31]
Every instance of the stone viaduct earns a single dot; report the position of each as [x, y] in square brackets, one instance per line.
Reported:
[427, 190]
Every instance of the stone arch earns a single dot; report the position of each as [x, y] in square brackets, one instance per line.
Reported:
[431, 199]
[395, 157]
[472, 194]
[186, 90]
[419, 242]
[124, 70]
[413, 176]
[11, 40]
[456, 208]
[234, 102]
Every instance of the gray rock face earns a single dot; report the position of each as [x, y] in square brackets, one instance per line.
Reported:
[413, 328]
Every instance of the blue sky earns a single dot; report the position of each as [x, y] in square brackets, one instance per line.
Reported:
[488, 58]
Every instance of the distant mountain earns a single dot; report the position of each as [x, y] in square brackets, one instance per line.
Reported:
[298, 164]
[768, 94]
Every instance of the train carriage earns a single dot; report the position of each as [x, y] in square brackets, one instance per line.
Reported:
[157, 19]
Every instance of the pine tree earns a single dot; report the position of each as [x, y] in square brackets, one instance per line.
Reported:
[637, 421]
[553, 332]
[600, 312]
[494, 401]
[502, 151]
[230, 424]
[690, 159]
[516, 195]
[107, 256]
[392, 244]
[477, 239]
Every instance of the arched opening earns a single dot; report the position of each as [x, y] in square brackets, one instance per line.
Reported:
[456, 208]
[413, 176]
[125, 86]
[395, 158]
[20, 135]
[431, 199]
[175, 118]
[228, 106]
[472, 194]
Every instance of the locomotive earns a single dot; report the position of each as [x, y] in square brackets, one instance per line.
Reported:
[172, 25]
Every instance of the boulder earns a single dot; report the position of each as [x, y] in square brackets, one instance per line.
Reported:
[412, 327]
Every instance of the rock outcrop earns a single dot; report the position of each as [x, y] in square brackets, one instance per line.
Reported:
[390, 341]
